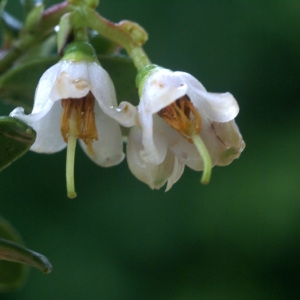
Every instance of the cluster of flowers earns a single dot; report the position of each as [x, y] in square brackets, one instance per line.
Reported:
[176, 124]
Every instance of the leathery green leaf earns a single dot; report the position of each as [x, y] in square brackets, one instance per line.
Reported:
[16, 138]
[15, 259]
[12, 275]
[11, 251]
[28, 5]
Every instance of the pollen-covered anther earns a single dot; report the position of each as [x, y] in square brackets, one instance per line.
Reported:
[80, 110]
[183, 117]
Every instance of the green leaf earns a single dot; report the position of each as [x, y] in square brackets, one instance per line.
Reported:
[17, 86]
[123, 73]
[15, 259]
[11, 251]
[40, 53]
[12, 275]
[28, 5]
[16, 138]
[33, 18]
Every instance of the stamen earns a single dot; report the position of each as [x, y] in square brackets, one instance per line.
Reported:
[183, 117]
[83, 110]
[88, 131]
[198, 142]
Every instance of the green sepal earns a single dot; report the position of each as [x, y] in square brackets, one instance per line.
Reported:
[17, 86]
[80, 51]
[122, 72]
[16, 138]
[143, 74]
[15, 259]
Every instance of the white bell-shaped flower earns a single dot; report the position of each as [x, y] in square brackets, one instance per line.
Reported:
[74, 99]
[88, 86]
[180, 123]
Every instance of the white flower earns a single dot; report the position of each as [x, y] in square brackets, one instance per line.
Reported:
[79, 82]
[180, 123]
[75, 99]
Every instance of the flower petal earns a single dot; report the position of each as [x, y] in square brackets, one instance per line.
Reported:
[187, 152]
[102, 87]
[47, 126]
[230, 140]
[154, 175]
[176, 174]
[105, 95]
[72, 81]
[125, 114]
[218, 107]
[161, 89]
[155, 145]
[108, 149]
[44, 88]
[222, 140]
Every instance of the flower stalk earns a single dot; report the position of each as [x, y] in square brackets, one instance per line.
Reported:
[128, 34]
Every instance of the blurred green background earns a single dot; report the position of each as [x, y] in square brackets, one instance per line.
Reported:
[238, 237]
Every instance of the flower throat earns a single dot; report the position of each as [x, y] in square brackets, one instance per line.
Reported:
[80, 111]
[183, 117]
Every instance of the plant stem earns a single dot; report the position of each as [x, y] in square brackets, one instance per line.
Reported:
[127, 34]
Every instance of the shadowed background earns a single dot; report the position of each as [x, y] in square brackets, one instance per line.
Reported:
[238, 237]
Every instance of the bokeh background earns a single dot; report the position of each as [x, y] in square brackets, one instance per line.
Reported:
[238, 237]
